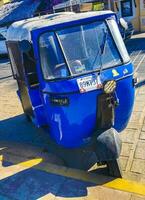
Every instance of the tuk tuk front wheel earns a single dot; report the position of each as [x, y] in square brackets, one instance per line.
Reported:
[114, 168]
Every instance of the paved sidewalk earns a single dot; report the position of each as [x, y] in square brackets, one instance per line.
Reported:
[133, 151]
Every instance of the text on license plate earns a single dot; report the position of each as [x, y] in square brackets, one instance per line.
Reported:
[89, 83]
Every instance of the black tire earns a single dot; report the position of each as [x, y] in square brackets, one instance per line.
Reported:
[114, 168]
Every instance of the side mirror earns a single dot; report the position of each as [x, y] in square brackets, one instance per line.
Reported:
[123, 23]
[25, 46]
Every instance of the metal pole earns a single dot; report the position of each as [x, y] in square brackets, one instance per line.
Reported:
[109, 4]
[70, 1]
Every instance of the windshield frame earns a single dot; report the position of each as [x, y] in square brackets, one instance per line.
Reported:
[71, 75]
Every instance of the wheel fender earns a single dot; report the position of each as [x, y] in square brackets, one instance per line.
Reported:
[108, 145]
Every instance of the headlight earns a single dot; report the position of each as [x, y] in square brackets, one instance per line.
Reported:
[109, 86]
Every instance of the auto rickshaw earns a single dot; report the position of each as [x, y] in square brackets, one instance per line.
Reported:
[75, 77]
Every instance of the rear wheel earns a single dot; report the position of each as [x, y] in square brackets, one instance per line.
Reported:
[114, 168]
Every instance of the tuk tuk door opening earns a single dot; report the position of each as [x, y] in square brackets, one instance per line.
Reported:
[18, 70]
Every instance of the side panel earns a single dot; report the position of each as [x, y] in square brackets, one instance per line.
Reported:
[126, 94]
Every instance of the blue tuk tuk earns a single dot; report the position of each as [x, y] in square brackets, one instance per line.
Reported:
[75, 77]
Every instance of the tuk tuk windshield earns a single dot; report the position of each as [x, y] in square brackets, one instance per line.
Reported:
[84, 48]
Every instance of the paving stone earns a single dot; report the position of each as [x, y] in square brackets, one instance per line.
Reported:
[137, 197]
[102, 193]
[142, 135]
[134, 125]
[138, 166]
[138, 106]
[9, 103]
[142, 179]
[135, 117]
[143, 128]
[128, 135]
[126, 148]
[123, 162]
[132, 176]
[140, 98]
[140, 150]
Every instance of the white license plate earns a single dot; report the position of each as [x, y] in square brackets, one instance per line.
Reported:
[89, 83]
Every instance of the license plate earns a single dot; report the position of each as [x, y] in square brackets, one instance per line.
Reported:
[89, 83]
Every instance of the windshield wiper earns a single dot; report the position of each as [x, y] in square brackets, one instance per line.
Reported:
[102, 47]
[101, 51]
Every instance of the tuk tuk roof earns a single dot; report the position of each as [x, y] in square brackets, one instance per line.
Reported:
[21, 30]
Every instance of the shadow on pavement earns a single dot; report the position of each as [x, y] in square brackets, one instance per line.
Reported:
[21, 181]
[18, 129]
[33, 184]
[135, 44]
[4, 58]
[29, 182]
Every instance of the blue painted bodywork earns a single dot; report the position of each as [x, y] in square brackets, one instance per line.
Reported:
[72, 125]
